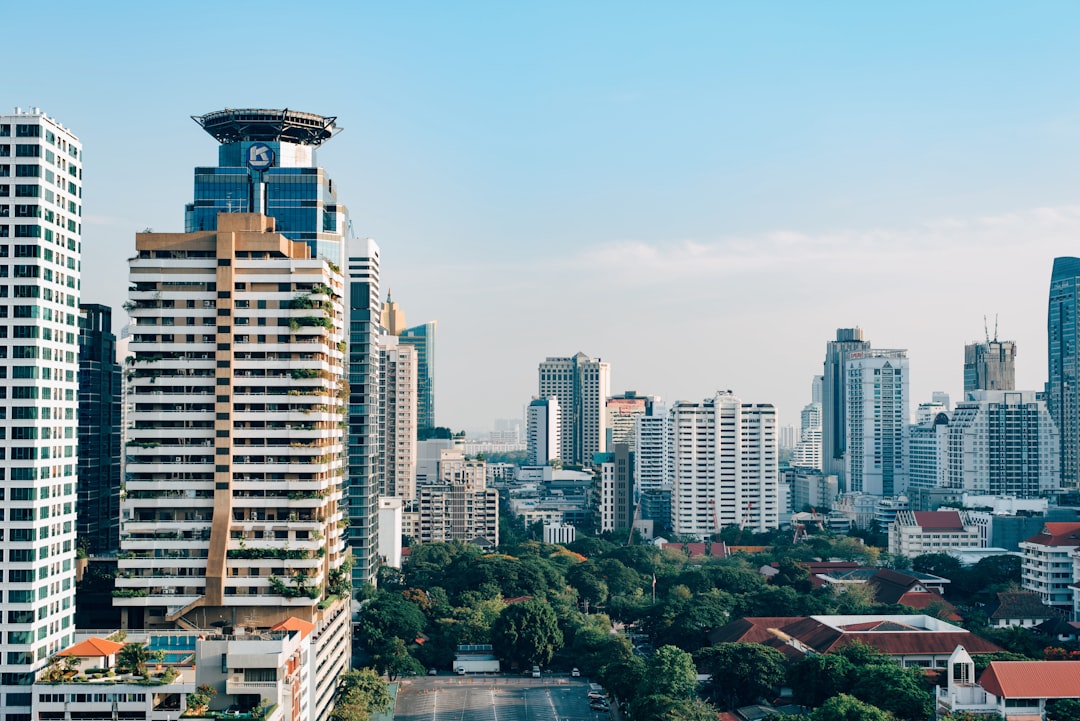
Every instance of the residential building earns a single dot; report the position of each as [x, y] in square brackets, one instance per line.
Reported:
[724, 466]
[422, 338]
[622, 412]
[543, 424]
[98, 507]
[391, 509]
[581, 384]
[928, 449]
[1003, 443]
[834, 406]
[362, 419]
[458, 512]
[990, 366]
[915, 533]
[1063, 360]
[428, 453]
[877, 422]
[1048, 564]
[455, 467]
[807, 452]
[1019, 608]
[41, 165]
[397, 418]
[652, 453]
[562, 534]
[616, 502]
[235, 462]
[1014, 690]
[810, 488]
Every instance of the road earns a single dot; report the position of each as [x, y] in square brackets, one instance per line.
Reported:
[494, 698]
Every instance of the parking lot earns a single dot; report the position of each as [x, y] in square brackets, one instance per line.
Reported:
[494, 698]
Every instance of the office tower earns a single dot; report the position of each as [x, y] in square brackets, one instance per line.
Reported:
[235, 461]
[267, 164]
[363, 418]
[928, 448]
[877, 422]
[815, 389]
[543, 425]
[397, 418]
[990, 366]
[40, 248]
[582, 385]
[724, 466]
[1003, 443]
[622, 412]
[392, 317]
[1063, 359]
[834, 400]
[98, 508]
[422, 338]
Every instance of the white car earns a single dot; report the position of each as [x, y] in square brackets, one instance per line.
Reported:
[574, 673]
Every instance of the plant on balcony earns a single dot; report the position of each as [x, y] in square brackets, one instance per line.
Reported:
[198, 701]
[130, 593]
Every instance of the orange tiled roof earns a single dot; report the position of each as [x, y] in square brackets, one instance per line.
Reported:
[1032, 679]
[292, 623]
[93, 647]
[1057, 533]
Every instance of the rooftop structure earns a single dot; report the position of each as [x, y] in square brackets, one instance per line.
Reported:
[291, 126]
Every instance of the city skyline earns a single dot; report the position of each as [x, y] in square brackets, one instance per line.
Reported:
[732, 175]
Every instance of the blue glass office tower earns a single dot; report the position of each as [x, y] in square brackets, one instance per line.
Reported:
[267, 164]
[422, 338]
[1063, 359]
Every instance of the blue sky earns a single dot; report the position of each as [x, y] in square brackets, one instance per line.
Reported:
[697, 192]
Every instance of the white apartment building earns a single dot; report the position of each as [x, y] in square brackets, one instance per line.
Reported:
[397, 418]
[40, 260]
[914, 533]
[1047, 567]
[724, 466]
[455, 467]
[1003, 443]
[235, 452]
[928, 450]
[543, 423]
[807, 452]
[877, 422]
[391, 529]
[456, 512]
[582, 385]
[652, 457]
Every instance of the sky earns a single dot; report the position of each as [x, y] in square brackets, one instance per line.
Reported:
[699, 193]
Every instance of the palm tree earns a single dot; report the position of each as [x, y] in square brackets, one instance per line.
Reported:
[135, 656]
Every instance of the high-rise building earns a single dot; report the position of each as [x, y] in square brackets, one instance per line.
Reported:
[990, 366]
[1003, 443]
[392, 317]
[877, 422]
[41, 165]
[397, 418]
[459, 506]
[363, 412]
[235, 455]
[616, 497]
[543, 426]
[99, 432]
[1063, 360]
[652, 454]
[267, 164]
[422, 338]
[622, 413]
[724, 466]
[834, 400]
[807, 452]
[581, 384]
[928, 448]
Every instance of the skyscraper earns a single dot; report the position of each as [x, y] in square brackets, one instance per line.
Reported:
[235, 458]
[834, 399]
[1063, 360]
[877, 422]
[543, 425]
[397, 418]
[422, 338]
[582, 385]
[41, 165]
[622, 413]
[363, 412]
[807, 452]
[990, 366]
[724, 466]
[99, 432]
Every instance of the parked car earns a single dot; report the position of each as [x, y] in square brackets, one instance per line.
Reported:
[574, 673]
[536, 672]
[433, 672]
[599, 706]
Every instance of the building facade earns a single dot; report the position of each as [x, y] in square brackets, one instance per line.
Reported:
[914, 533]
[422, 338]
[990, 366]
[543, 426]
[1003, 443]
[100, 394]
[724, 466]
[41, 165]
[834, 407]
[622, 412]
[235, 456]
[928, 451]
[582, 385]
[397, 418]
[1047, 564]
[877, 422]
[1063, 360]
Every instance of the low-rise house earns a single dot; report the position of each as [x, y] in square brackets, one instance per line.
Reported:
[1017, 690]
[1019, 608]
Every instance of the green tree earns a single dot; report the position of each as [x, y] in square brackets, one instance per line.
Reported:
[134, 657]
[388, 616]
[656, 707]
[790, 573]
[813, 679]
[939, 564]
[741, 672]
[624, 678]
[671, 673]
[526, 634]
[360, 693]
[893, 688]
[1063, 709]
[849, 708]
[391, 657]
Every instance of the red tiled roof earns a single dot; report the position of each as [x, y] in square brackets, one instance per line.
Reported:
[921, 600]
[93, 647]
[1057, 534]
[697, 550]
[1032, 679]
[939, 520]
[292, 623]
[750, 629]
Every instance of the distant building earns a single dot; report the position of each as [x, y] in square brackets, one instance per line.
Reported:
[561, 534]
[582, 385]
[990, 366]
[915, 533]
[1063, 360]
[834, 404]
[807, 452]
[652, 454]
[390, 530]
[457, 512]
[1048, 565]
[810, 488]
[543, 431]
[622, 412]
[422, 338]
[724, 465]
[397, 418]
[928, 449]
[877, 422]
[616, 506]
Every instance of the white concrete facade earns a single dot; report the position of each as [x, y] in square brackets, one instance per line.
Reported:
[582, 385]
[877, 422]
[397, 418]
[543, 431]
